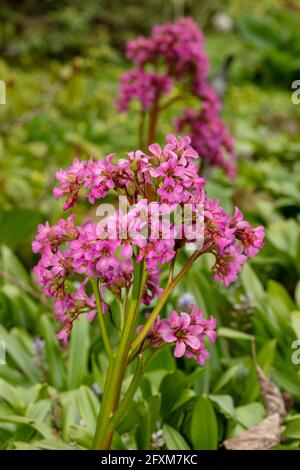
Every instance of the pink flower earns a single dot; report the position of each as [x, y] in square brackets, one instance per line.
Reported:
[71, 180]
[55, 235]
[64, 335]
[179, 329]
[210, 137]
[187, 331]
[141, 50]
[251, 238]
[143, 86]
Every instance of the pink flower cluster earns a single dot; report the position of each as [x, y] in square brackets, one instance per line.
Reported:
[166, 175]
[180, 46]
[187, 332]
[176, 53]
[208, 132]
[231, 239]
[143, 86]
[163, 177]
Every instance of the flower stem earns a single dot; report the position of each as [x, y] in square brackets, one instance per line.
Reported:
[113, 383]
[153, 121]
[119, 414]
[103, 330]
[161, 302]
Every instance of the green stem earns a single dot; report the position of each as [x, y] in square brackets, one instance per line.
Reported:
[113, 384]
[103, 330]
[119, 414]
[153, 121]
[161, 302]
[141, 129]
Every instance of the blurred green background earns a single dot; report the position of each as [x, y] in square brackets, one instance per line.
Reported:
[61, 62]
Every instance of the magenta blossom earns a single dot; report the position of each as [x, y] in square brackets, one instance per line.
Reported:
[179, 329]
[177, 51]
[187, 331]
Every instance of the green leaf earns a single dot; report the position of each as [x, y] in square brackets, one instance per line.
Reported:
[143, 431]
[288, 381]
[204, 426]
[42, 428]
[53, 444]
[53, 354]
[79, 348]
[39, 410]
[171, 388]
[252, 284]
[10, 264]
[69, 414]
[224, 404]
[88, 405]
[18, 225]
[16, 349]
[280, 301]
[185, 396]
[228, 375]
[250, 415]
[265, 358]
[12, 396]
[174, 440]
[234, 334]
[292, 428]
[295, 319]
[81, 435]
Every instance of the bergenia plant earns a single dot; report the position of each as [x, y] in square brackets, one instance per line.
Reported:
[162, 210]
[172, 66]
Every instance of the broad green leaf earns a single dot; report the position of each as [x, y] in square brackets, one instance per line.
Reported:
[204, 425]
[53, 354]
[12, 396]
[69, 416]
[265, 358]
[88, 405]
[224, 404]
[288, 381]
[292, 428]
[81, 435]
[252, 284]
[79, 348]
[280, 301]
[174, 440]
[183, 398]
[234, 334]
[18, 225]
[171, 388]
[53, 444]
[143, 431]
[39, 410]
[42, 428]
[10, 264]
[228, 375]
[295, 319]
[250, 415]
[19, 354]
